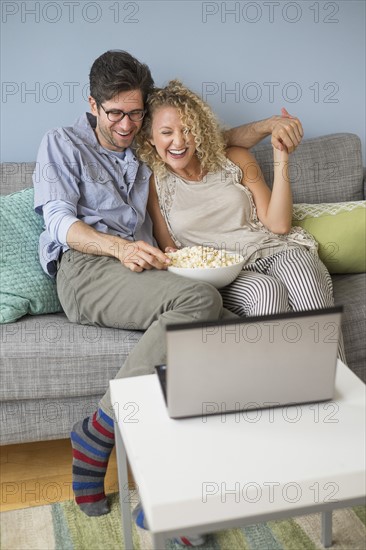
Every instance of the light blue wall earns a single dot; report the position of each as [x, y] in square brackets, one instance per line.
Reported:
[308, 56]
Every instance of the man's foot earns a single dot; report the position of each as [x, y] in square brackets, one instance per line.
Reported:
[191, 540]
[92, 441]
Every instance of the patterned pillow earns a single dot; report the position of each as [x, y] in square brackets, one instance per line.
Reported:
[340, 229]
[25, 288]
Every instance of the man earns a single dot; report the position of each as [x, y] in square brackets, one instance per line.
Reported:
[92, 192]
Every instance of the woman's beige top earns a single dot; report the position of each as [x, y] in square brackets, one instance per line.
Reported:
[220, 212]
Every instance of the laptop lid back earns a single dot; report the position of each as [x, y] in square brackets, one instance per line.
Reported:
[252, 362]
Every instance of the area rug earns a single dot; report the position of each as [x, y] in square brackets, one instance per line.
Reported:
[63, 527]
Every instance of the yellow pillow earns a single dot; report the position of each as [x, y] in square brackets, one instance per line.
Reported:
[340, 230]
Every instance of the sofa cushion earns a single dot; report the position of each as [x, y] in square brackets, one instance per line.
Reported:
[41, 419]
[323, 169]
[47, 357]
[350, 291]
[339, 229]
[25, 288]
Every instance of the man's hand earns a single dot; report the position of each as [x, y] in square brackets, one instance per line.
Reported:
[136, 255]
[287, 131]
[139, 255]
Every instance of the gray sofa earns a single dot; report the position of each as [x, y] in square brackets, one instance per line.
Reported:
[53, 372]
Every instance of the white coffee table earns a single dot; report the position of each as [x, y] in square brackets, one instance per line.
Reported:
[206, 474]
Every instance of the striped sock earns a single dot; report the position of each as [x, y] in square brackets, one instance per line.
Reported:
[92, 442]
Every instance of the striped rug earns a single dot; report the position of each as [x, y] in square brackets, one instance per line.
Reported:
[63, 527]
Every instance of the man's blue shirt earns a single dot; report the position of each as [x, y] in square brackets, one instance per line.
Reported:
[109, 193]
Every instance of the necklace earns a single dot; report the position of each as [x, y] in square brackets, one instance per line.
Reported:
[193, 177]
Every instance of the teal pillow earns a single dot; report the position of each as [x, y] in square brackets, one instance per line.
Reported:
[340, 230]
[25, 288]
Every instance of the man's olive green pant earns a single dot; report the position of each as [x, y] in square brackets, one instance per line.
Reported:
[99, 290]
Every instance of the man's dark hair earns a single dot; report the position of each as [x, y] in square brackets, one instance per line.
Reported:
[118, 71]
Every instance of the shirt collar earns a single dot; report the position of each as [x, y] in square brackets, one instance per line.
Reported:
[84, 128]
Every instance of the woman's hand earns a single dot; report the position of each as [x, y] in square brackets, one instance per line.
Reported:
[287, 131]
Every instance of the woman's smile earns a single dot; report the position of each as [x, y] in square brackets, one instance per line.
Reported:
[174, 143]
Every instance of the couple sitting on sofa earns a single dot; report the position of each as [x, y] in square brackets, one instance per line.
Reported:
[99, 240]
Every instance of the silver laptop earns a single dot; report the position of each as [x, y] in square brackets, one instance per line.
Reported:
[250, 363]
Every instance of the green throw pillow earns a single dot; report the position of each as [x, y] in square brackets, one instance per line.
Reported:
[25, 288]
[340, 229]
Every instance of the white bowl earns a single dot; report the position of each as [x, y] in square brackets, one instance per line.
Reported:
[216, 276]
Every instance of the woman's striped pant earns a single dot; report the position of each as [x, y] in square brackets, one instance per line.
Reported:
[291, 280]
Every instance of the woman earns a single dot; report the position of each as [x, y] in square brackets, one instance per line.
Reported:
[201, 193]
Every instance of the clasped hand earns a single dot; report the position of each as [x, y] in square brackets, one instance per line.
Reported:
[287, 132]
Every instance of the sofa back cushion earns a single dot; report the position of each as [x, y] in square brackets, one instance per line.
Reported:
[322, 169]
[15, 176]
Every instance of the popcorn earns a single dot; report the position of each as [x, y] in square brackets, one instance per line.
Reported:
[202, 257]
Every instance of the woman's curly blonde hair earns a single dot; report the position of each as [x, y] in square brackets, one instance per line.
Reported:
[195, 115]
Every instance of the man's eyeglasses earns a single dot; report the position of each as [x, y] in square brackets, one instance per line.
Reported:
[116, 115]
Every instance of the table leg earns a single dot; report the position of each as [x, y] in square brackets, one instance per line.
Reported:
[327, 528]
[158, 541]
[124, 494]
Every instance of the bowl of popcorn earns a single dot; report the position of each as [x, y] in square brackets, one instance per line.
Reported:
[203, 263]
